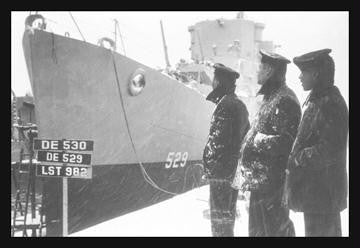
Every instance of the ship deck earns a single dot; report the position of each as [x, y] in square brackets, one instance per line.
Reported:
[185, 215]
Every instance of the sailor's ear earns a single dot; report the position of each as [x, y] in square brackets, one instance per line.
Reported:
[315, 74]
[269, 69]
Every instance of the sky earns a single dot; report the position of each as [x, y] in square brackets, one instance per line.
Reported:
[296, 32]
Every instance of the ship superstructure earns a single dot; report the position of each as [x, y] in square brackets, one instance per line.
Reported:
[234, 43]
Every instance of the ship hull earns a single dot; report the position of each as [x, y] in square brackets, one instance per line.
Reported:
[113, 191]
[81, 92]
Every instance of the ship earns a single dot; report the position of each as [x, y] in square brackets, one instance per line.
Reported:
[149, 127]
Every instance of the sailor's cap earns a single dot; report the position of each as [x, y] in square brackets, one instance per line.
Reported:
[311, 59]
[221, 69]
[273, 58]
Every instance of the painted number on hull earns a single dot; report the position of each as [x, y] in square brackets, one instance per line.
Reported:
[176, 159]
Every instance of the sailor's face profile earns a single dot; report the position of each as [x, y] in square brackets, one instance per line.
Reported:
[308, 79]
[264, 73]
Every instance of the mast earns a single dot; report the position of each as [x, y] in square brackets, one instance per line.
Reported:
[116, 23]
[165, 48]
[117, 28]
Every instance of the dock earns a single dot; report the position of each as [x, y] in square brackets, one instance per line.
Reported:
[185, 215]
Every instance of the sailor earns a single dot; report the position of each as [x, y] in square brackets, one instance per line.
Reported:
[317, 180]
[229, 125]
[266, 147]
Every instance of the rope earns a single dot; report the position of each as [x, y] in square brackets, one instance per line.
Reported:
[144, 173]
[77, 26]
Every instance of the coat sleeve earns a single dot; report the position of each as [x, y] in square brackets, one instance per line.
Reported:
[228, 126]
[332, 125]
[241, 126]
[218, 146]
[285, 123]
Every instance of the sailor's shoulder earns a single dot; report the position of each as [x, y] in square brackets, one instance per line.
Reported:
[232, 103]
[287, 96]
[233, 100]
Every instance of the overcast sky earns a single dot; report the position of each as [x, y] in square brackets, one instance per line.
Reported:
[296, 32]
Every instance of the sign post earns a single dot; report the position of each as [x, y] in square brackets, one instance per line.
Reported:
[65, 207]
[71, 163]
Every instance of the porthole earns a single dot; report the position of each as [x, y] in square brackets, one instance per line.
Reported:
[137, 82]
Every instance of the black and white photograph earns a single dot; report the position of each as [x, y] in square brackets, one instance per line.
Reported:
[179, 124]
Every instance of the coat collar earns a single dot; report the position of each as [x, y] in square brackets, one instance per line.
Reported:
[270, 87]
[219, 92]
[320, 92]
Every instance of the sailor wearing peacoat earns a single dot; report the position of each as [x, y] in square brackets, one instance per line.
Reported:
[317, 180]
[229, 125]
[266, 148]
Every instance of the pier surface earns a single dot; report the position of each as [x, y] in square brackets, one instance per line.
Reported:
[185, 215]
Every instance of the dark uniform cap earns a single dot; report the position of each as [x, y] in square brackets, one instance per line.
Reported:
[222, 70]
[273, 58]
[311, 59]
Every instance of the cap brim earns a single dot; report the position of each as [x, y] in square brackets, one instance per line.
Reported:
[273, 58]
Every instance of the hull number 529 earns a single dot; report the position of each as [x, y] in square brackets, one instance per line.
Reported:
[176, 159]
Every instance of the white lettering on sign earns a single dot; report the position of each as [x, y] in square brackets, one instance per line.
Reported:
[49, 145]
[63, 171]
[66, 144]
[76, 171]
[63, 145]
[173, 159]
[82, 145]
[72, 158]
[52, 157]
[58, 168]
[45, 144]
[51, 170]
[83, 172]
[44, 172]
[74, 145]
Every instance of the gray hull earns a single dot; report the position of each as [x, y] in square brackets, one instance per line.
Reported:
[77, 97]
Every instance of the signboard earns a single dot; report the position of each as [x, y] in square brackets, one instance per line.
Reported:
[64, 157]
[73, 171]
[64, 145]
[70, 162]
[61, 151]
